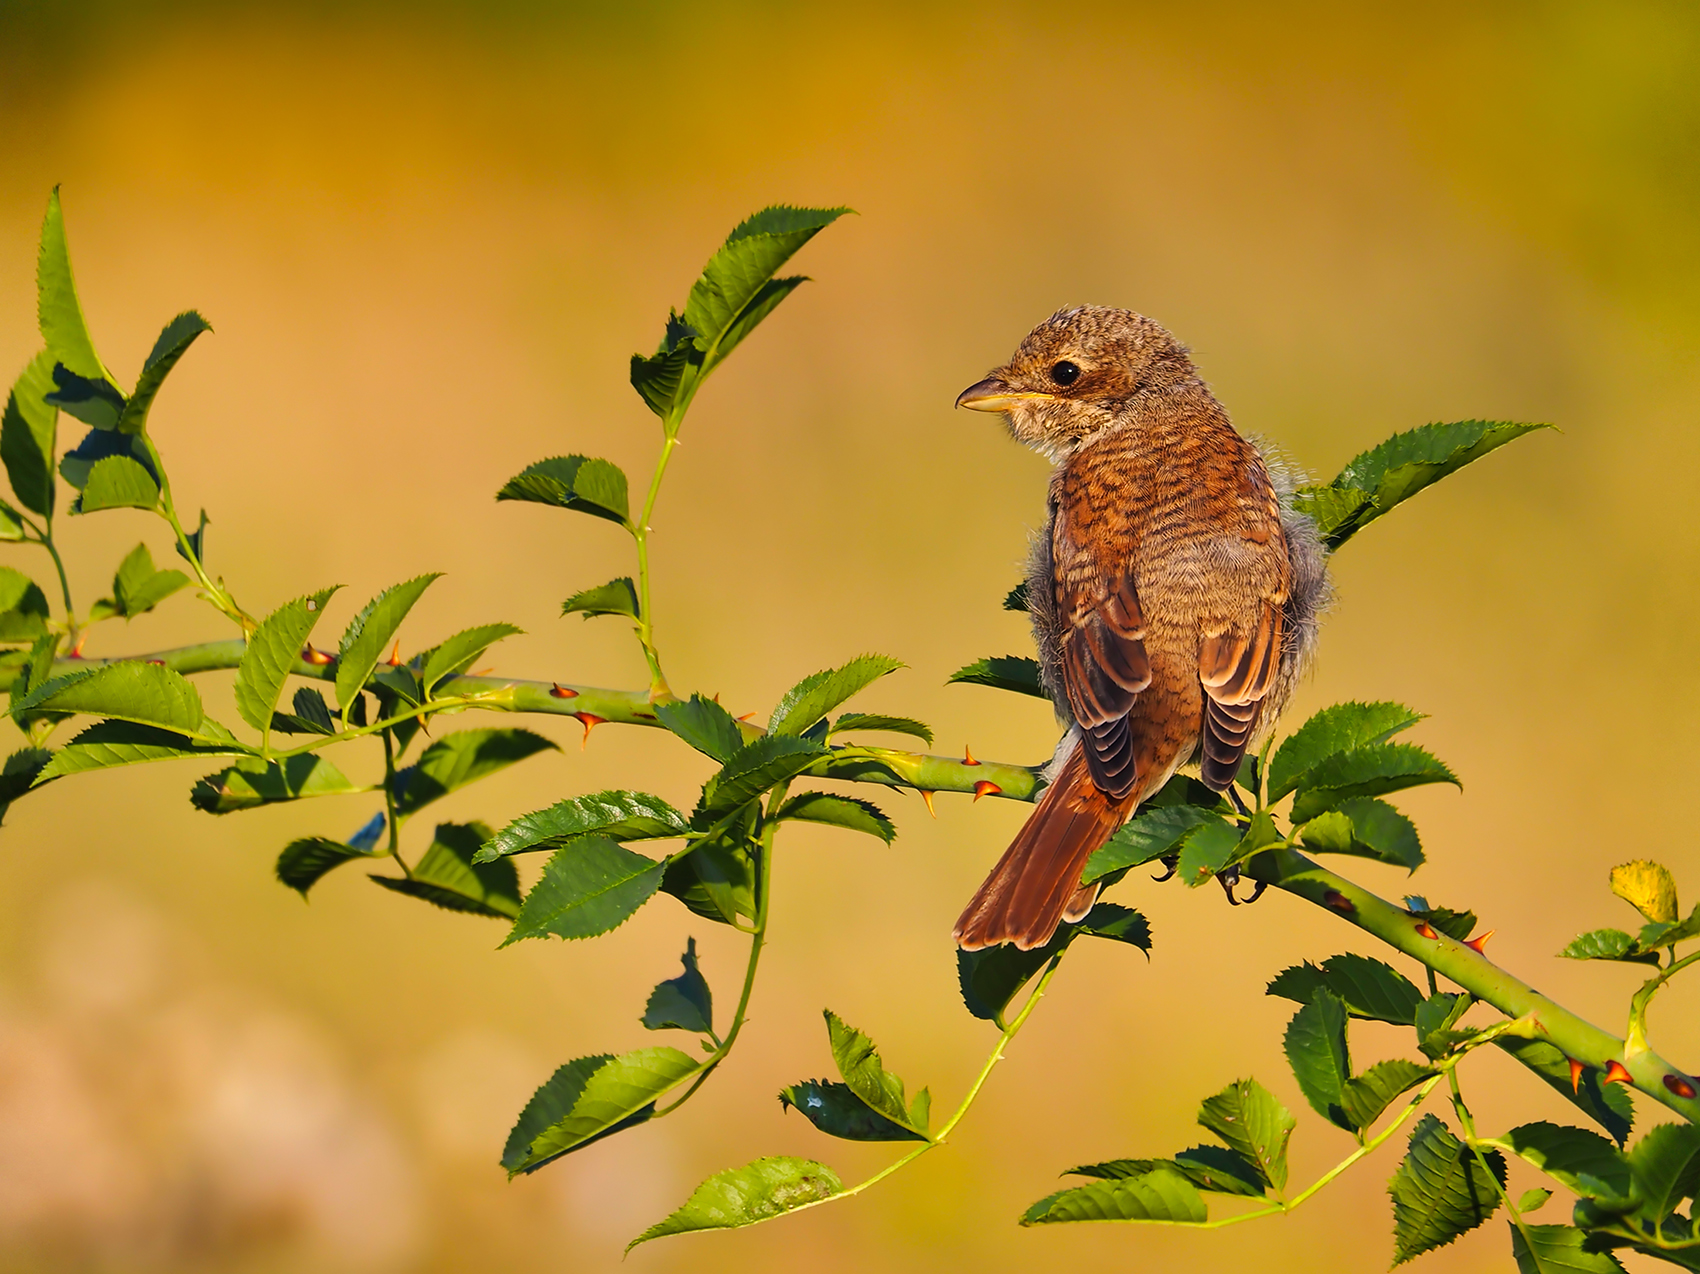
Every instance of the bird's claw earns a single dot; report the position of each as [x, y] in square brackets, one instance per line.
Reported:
[1231, 877]
[1172, 862]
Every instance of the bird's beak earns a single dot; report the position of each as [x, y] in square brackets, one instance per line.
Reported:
[992, 394]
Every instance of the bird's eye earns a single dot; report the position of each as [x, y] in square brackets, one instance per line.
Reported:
[1065, 373]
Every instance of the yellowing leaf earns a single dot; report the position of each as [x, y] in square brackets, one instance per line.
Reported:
[1647, 887]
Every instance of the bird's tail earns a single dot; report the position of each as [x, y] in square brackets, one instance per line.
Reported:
[1036, 884]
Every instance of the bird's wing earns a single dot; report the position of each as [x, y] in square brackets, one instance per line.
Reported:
[1101, 640]
[1239, 656]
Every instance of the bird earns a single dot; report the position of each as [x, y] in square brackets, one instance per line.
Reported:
[1174, 594]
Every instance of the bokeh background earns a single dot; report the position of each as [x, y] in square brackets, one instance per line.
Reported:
[429, 236]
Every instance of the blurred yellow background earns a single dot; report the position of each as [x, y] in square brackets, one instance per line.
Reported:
[430, 236]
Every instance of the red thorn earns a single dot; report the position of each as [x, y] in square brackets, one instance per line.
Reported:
[1576, 1069]
[1476, 944]
[1616, 1073]
[1426, 930]
[928, 798]
[1337, 900]
[746, 716]
[76, 651]
[157, 663]
[485, 672]
[967, 756]
[985, 787]
[395, 654]
[558, 691]
[590, 721]
[1678, 1085]
[318, 658]
[717, 698]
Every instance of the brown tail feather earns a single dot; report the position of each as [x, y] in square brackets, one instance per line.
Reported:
[1036, 884]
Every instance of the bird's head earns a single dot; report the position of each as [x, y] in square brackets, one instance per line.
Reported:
[1076, 374]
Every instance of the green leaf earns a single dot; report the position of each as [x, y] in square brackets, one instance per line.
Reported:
[580, 483]
[1316, 1050]
[589, 1098]
[873, 721]
[737, 289]
[1364, 1097]
[813, 697]
[1221, 1171]
[1251, 1122]
[447, 877]
[1608, 944]
[1654, 936]
[107, 744]
[1440, 1191]
[617, 815]
[304, 861]
[756, 767]
[716, 879]
[460, 758]
[683, 1003]
[117, 482]
[1374, 770]
[146, 693]
[1206, 849]
[588, 887]
[461, 651]
[990, 978]
[659, 377]
[1016, 599]
[1454, 924]
[1434, 1017]
[838, 1112]
[862, 1071]
[1558, 1249]
[311, 714]
[94, 402]
[273, 651]
[172, 344]
[23, 608]
[1003, 672]
[1335, 510]
[1407, 462]
[369, 632]
[1608, 1104]
[1583, 1162]
[29, 436]
[703, 724]
[1148, 836]
[1659, 1164]
[58, 310]
[1649, 888]
[756, 1192]
[839, 811]
[1164, 1194]
[11, 525]
[1531, 1200]
[249, 785]
[98, 445]
[1336, 729]
[22, 771]
[138, 587]
[1367, 828]
[1369, 988]
[616, 597]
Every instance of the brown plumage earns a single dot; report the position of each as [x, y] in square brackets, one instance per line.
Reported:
[1174, 595]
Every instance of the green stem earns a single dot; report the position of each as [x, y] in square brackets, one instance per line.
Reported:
[1367, 1148]
[938, 1139]
[1287, 869]
[1541, 1018]
[1635, 1038]
[640, 533]
[1468, 1124]
[389, 805]
[758, 941]
[216, 593]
